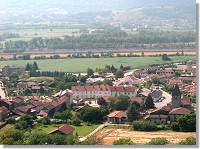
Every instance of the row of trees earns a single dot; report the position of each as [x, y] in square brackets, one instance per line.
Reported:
[107, 39]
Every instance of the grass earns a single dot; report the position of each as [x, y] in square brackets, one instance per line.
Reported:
[81, 64]
[80, 130]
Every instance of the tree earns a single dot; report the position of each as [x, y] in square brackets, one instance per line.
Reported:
[27, 91]
[188, 141]
[121, 103]
[35, 66]
[63, 107]
[149, 102]
[107, 81]
[119, 74]
[101, 102]
[75, 121]
[24, 122]
[45, 120]
[165, 57]
[93, 114]
[132, 112]
[90, 72]
[123, 141]
[82, 79]
[41, 91]
[28, 67]
[121, 66]
[158, 141]
[187, 122]
[14, 77]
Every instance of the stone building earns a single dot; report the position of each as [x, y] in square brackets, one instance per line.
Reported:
[7, 70]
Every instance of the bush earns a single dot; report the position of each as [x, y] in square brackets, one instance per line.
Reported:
[158, 141]
[188, 141]
[175, 127]
[11, 120]
[123, 142]
[144, 126]
[187, 122]
[75, 121]
[44, 120]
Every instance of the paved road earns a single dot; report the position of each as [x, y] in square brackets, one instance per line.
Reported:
[168, 98]
[2, 94]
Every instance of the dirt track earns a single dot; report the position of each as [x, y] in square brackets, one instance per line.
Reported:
[139, 137]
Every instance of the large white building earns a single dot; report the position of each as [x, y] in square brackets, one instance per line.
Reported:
[92, 92]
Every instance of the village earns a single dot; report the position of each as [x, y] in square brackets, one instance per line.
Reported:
[158, 94]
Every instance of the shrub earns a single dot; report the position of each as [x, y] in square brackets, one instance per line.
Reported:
[187, 122]
[44, 120]
[11, 120]
[158, 141]
[75, 121]
[175, 127]
[188, 141]
[144, 126]
[123, 141]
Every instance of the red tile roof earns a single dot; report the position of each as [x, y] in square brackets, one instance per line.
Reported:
[138, 99]
[3, 109]
[18, 100]
[58, 102]
[180, 111]
[65, 129]
[42, 113]
[6, 101]
[117, 114]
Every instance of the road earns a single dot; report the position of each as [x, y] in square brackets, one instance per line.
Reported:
[2, 93]
[168, 98]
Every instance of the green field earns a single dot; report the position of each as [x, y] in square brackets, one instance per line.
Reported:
[81, 64]
[80, 130]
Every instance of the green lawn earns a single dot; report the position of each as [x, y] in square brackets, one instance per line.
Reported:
[80, 130]
[81, 64]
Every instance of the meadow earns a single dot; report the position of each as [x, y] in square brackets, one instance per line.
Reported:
[78, 65]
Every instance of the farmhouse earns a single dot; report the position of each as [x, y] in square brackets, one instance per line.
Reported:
[117, 117]
[8, 70]
[64, 130]
[129, 80]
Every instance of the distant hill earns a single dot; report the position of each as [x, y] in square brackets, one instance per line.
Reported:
[88, 5]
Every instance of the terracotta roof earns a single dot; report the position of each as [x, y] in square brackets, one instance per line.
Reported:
[49, 106]
[140, 71]
[180, 111]
[117, 114]
[58, 102]
[32, 83]
[42, 113]
[65, 129]
[6, 101]
[18, 112]
[156, 94]
[20, 97]
[3, 109]
[24, 109]
[38, 103]
[138, 99]
[35, 87]
[18, 100]
[185, 101]
[15, 67]
[22, 85]
[158, 116]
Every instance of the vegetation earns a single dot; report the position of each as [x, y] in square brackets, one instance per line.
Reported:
[158, 141]
[132, 112]
[187, 122]
[123, 142]
[120, 103]
[144, 126]
[76, 65]
[149, 102]
[188, 141]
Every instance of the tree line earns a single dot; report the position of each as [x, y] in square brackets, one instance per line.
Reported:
[108, 39]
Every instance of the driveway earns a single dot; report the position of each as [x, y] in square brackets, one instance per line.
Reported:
[168, 98]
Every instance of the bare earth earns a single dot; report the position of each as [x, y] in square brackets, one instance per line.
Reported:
[140, 137]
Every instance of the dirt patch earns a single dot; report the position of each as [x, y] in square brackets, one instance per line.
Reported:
[139, 137]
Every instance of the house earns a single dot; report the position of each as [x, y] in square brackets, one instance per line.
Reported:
[42, 114]
[8, 70]
[4, 113]
[144, 92]
[164, 72]
[31, 84]
[64, 130]
[6, 103]
[159, 119]
[116, 117]
[177, 112]
[49, 109]
[152, 68]
[35, 89]
[17, 102]
[129, 80]
[191, 71]
[21, 87]
[91, 92]
[83, 107]
[156, 95]
[141, 73]
[67, 95]
[140, 100]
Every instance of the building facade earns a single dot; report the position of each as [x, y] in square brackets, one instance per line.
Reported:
[7, 70]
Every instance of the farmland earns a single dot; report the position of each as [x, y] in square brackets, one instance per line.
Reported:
[81, 64]
[139, 137]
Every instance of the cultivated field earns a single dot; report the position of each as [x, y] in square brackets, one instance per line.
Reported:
[81, 64]
[140, 137]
